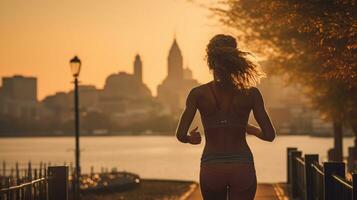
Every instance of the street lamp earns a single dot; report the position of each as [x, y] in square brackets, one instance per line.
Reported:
[75, 64]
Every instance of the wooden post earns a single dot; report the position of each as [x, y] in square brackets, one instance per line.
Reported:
[351, 158]
[354, 186]
[332, 168]
[29, 171]
[58, 183]
[309, 187]
[30, 178]
[288, 154]
[294, 174]
[17, 182]
[4, 168]
[92, 171]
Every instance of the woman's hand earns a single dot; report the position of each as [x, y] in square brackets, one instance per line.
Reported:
[253, 130]
[194, 137]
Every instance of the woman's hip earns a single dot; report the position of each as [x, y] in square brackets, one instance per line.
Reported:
[237, 176]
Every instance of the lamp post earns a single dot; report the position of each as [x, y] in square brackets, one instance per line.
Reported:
[75, 64]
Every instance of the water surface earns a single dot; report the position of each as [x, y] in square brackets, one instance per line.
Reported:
[156, 156]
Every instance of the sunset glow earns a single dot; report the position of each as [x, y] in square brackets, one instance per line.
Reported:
[38, 38]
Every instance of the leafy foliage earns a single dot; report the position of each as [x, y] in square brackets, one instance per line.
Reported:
[312, 42]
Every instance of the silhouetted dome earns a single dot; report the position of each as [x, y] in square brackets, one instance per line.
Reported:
[187, 73]
[137, 57]
[125, 84]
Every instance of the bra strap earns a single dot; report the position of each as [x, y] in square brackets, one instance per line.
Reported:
[218, 107]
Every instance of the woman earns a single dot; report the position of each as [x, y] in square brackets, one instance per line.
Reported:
[227, 166]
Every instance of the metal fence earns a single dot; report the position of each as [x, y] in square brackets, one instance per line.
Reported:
[52, 184]
[309, 180]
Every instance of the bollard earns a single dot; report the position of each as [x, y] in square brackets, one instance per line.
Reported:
[332, 168]
[352, 157]
[58, 183]
[309, 187]
[289, 150]
[294, 173]
[354, 186]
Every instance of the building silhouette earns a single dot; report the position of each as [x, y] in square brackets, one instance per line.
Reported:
[172, 92]
[125, 98]
[138, 68]
[18, 97]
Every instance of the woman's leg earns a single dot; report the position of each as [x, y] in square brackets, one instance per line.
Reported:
[242, 182]
[247, 194]
[213, 183]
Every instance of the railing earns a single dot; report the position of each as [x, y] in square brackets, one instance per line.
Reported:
[53, 185]
[309, 180]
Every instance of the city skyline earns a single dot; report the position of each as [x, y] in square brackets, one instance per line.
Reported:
[44, 43]
[136, 60]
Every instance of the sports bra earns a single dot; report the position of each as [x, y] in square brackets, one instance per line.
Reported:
[220, 118]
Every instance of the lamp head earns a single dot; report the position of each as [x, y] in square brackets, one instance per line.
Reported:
[75, 64]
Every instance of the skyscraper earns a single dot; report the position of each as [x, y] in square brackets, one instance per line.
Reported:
[175, 62]
[173, 91]
[138, 68]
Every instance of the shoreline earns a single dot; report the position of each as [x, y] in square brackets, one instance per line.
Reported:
[140, 135]
[151, 189]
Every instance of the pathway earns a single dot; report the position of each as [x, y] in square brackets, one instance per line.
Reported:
[264, 192]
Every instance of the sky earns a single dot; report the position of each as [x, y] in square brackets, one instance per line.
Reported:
[39, 37]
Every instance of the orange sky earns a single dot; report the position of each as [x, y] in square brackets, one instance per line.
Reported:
[38, 38]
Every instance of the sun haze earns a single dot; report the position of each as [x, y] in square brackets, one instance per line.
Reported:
[38, 38]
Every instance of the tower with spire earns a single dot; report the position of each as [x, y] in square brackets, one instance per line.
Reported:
[175, 62]
[172, 92]
[138, 68]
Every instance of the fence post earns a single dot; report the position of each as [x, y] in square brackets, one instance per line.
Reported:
[309, 187]
[332, 168]
[4, 168]
[30, 178]
[354, 186]
[58, 183]
[294, 173]
[288, 152]
[352, 157]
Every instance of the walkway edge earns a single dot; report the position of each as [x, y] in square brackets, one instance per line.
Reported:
[189, 192]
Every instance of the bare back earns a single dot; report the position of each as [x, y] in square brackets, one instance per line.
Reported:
[232, 105]
[234, 102]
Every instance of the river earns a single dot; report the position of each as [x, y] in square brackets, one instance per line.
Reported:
[156, 156]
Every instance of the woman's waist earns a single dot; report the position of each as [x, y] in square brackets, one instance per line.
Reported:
[227, 157]
[225, 141]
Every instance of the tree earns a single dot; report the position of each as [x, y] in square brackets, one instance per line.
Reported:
[312, 42]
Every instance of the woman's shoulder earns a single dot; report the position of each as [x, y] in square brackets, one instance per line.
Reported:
[255, 94]
[253, 90]
[200, 88]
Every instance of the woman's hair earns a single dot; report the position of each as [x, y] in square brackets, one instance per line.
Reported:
[230, 65]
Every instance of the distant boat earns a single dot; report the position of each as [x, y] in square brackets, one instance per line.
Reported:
[58, 132]
[100, 132]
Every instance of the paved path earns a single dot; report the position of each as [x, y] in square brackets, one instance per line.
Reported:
[264, 192]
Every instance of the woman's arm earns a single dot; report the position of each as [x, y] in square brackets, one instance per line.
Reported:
[267, 131]
[186, 120]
